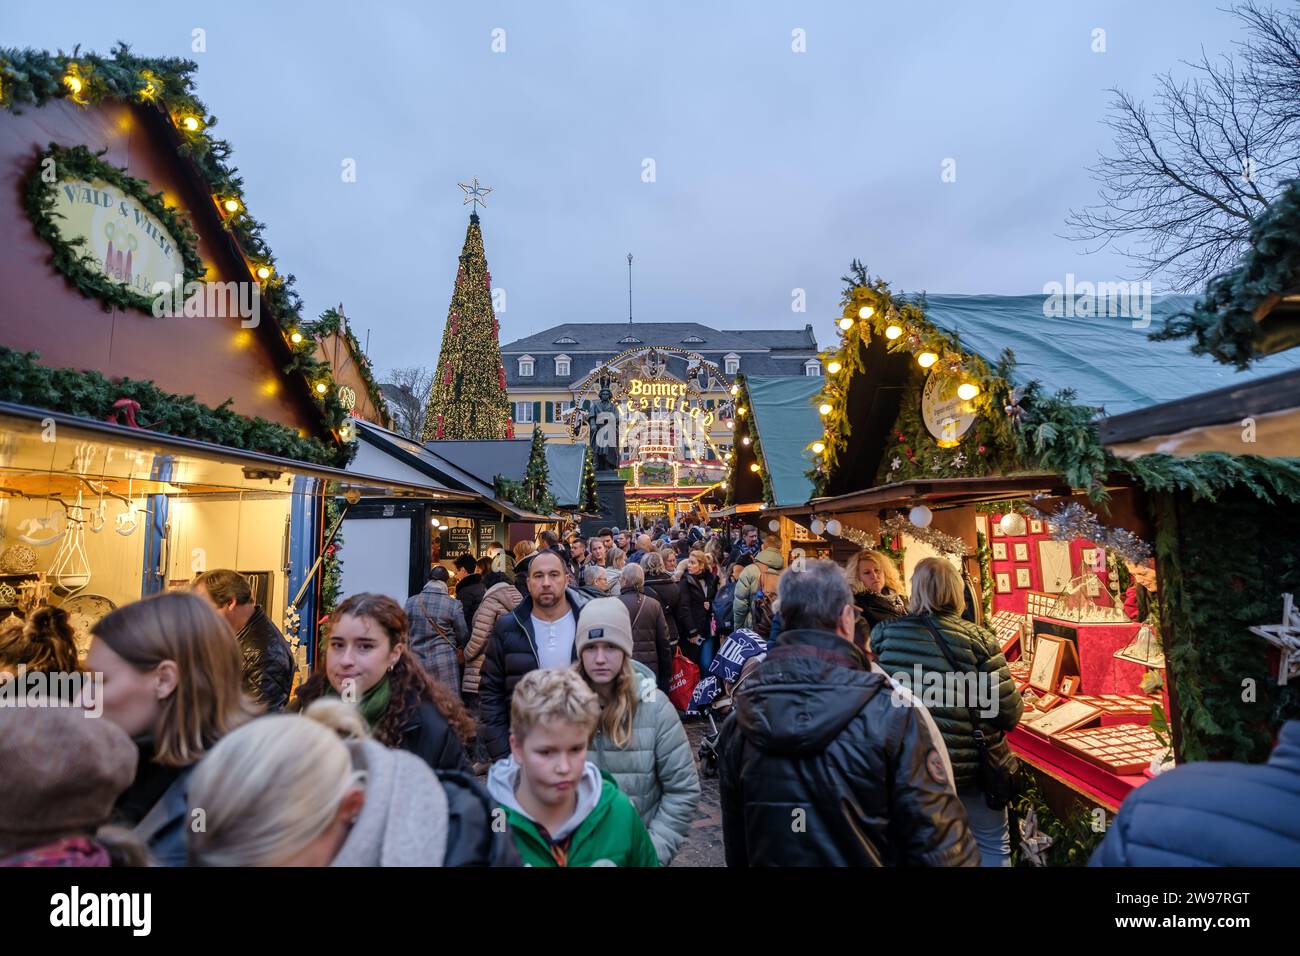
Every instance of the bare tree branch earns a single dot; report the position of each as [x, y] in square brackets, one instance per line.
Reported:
[407, 392]
[1189, 172]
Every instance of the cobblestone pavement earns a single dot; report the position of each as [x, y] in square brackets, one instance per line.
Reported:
[704, 846]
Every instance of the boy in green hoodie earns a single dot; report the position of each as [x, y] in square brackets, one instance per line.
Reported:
[562, 810]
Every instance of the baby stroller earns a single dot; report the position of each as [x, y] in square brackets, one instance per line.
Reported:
[714, 696]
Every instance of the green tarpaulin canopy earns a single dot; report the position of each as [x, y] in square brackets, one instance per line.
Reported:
[785, 415]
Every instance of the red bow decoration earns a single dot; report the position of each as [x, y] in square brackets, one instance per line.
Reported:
[510, 429]
[439, 433]
[446, 376]
[128, 405]
[502, 375]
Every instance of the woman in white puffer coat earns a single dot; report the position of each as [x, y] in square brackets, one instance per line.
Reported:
[640, 741]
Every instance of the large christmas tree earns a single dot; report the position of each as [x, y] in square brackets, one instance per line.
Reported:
[468, 398]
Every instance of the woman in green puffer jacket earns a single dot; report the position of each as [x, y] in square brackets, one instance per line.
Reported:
[907, 651]
[640, 741]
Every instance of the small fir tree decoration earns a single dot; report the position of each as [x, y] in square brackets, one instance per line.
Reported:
[590, 497]
[537, 479]
[468, 398]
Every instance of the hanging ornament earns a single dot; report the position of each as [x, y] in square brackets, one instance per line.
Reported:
[774, 525]
[438, 433]
[817, 526]
[921, 516]
[39, 532]
[1012, 524]
[914, 341]
[510, 429]
[446, 376]
[834, 527]
[1012, 408]
[954, 366]
[1286, 638]
[501, 374]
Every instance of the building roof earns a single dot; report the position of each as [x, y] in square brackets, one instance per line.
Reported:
[485, 459]
[1106, 360]
[761, 352]
[609, 337]
[785, 414]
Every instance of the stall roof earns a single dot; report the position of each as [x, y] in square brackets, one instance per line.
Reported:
[938, 491]
[564, 466]
[1106, 360]
[121, 459]
[785, 414]
[439, 469]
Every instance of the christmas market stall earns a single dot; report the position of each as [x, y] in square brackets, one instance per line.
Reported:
[1121, 591]
[166, 405]
[777, 425]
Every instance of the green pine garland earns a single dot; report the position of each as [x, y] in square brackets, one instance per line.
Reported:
[533, 492]
[69, 256]
[331, 575]
[89, 394]
[330, 322]
[35, 77]
[590, 494]
[1223, 322]
[747, 427]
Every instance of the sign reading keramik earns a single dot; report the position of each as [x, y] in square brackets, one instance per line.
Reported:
[126, 242]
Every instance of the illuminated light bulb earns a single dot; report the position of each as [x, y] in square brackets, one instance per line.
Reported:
[866, 312]
[727, 457]
[833, 367]
[846, 324]
[73, 83]
[190, 123]
[723, 485]
[731, 424]
[819, 447]
[745, 440]
[321, 388]
[263, 272]
[893, 332]
[754, 468]
[230, 205]
[926, 359]
[741, 411]
[966, 391]
[295, 337]
[735, 390]
[824, 409]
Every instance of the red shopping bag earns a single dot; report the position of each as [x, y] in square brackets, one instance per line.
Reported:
[686, 674]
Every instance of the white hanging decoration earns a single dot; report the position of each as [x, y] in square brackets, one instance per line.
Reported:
[32, 527]
[70, 568]
[834, 527]
[99, 517]
[817, 526]
[921, 516]
[774, 525]
[1286, 638]
[1012, 524]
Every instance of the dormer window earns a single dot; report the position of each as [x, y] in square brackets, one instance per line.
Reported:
[731, 363]
[562, 365]
[629, 340]
[566, 340]
[526, 365]
[692, 340]
[812, 367]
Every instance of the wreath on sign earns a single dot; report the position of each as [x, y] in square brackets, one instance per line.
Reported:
[70, 256]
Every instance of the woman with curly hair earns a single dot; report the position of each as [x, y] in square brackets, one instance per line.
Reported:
[368, 661]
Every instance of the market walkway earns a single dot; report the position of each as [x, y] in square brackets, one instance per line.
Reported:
[704, 846]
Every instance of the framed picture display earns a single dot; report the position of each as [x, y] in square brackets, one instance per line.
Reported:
[997, 530]
[1022, 551]
[1035, 526]
[1022, 578]
[999, 550]
[1067, 716]
[1054, 564]
[1046, 671]
[982, 524]
[1003, 582]
[1069, 685]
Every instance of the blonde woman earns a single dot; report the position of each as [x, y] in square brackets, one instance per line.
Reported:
[639, 740]
[877, 591]
[173, 680]
[314, 790]
[904, 645]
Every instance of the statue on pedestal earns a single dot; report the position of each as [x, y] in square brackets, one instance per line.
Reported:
[602, 435]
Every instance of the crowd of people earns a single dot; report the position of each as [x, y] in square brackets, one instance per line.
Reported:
[531, 686]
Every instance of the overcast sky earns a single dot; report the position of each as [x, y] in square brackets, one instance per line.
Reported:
[772, 168]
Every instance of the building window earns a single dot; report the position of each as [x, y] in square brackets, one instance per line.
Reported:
[812, 367]
[562, 365]
[731, 364]
[692, 340]
[523, 413]
[629, 340]
[566, 340]
[526, 367]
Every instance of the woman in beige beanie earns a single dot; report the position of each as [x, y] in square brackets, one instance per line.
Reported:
[639, 740]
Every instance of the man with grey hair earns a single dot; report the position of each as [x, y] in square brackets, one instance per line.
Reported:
[650, 643]
[821, 738]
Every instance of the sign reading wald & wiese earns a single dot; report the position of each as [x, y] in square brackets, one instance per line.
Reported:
[126, 242]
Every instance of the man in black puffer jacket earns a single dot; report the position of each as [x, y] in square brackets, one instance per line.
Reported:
[515, 647]
[268, 660]
[825, 761]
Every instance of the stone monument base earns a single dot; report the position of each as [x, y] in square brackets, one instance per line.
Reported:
[613, 504]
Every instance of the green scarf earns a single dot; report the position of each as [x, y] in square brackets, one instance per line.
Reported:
[373, 702]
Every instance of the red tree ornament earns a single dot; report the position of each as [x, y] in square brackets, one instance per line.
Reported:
[510, 429]
[446, 376]
[439, 426]
[501, 375]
